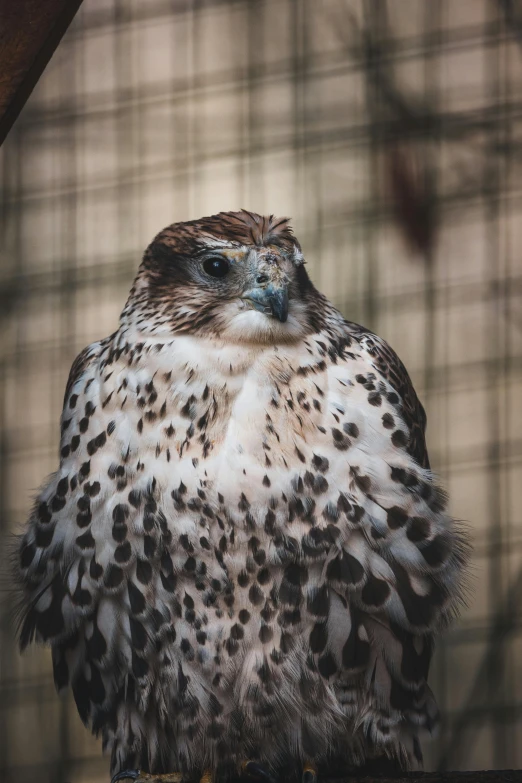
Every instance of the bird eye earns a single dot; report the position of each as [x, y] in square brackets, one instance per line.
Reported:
[216, 267]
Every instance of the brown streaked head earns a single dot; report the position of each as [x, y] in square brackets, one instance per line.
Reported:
[235, 275]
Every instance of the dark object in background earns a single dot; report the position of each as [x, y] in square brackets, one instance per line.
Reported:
[412, 204]
[30, 31]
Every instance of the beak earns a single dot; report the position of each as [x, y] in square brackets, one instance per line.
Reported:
[271, 300]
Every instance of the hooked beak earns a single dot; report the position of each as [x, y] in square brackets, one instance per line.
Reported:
[271, 300]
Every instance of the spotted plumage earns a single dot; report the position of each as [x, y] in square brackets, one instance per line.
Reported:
[243, 553]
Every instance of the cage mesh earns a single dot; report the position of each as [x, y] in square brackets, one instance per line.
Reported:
[392, 133]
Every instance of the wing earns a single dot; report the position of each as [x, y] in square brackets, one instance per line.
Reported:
[75, 558]
[393, 576]
[43, 559]
[82, 363]
[98, 579]
[389, 367]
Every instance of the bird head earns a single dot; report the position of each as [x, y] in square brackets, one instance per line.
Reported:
[236, 275]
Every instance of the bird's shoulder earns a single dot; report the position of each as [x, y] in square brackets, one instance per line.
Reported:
[86, 360]
[379, 357]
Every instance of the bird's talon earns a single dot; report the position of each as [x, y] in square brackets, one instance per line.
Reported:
[309, 774]
[255, 771]
[146, 777]
[127, 774]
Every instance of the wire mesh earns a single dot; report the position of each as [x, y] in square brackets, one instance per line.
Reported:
[392, 133]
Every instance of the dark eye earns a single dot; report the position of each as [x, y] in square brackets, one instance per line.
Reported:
[216, 267]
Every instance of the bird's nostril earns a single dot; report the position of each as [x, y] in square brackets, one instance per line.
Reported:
[262, 279]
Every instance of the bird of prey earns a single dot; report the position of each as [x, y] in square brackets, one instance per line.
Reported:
[243, 557]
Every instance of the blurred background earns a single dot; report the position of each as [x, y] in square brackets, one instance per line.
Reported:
[392, 133]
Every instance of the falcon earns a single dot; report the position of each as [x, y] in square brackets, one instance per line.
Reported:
[243, 558]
